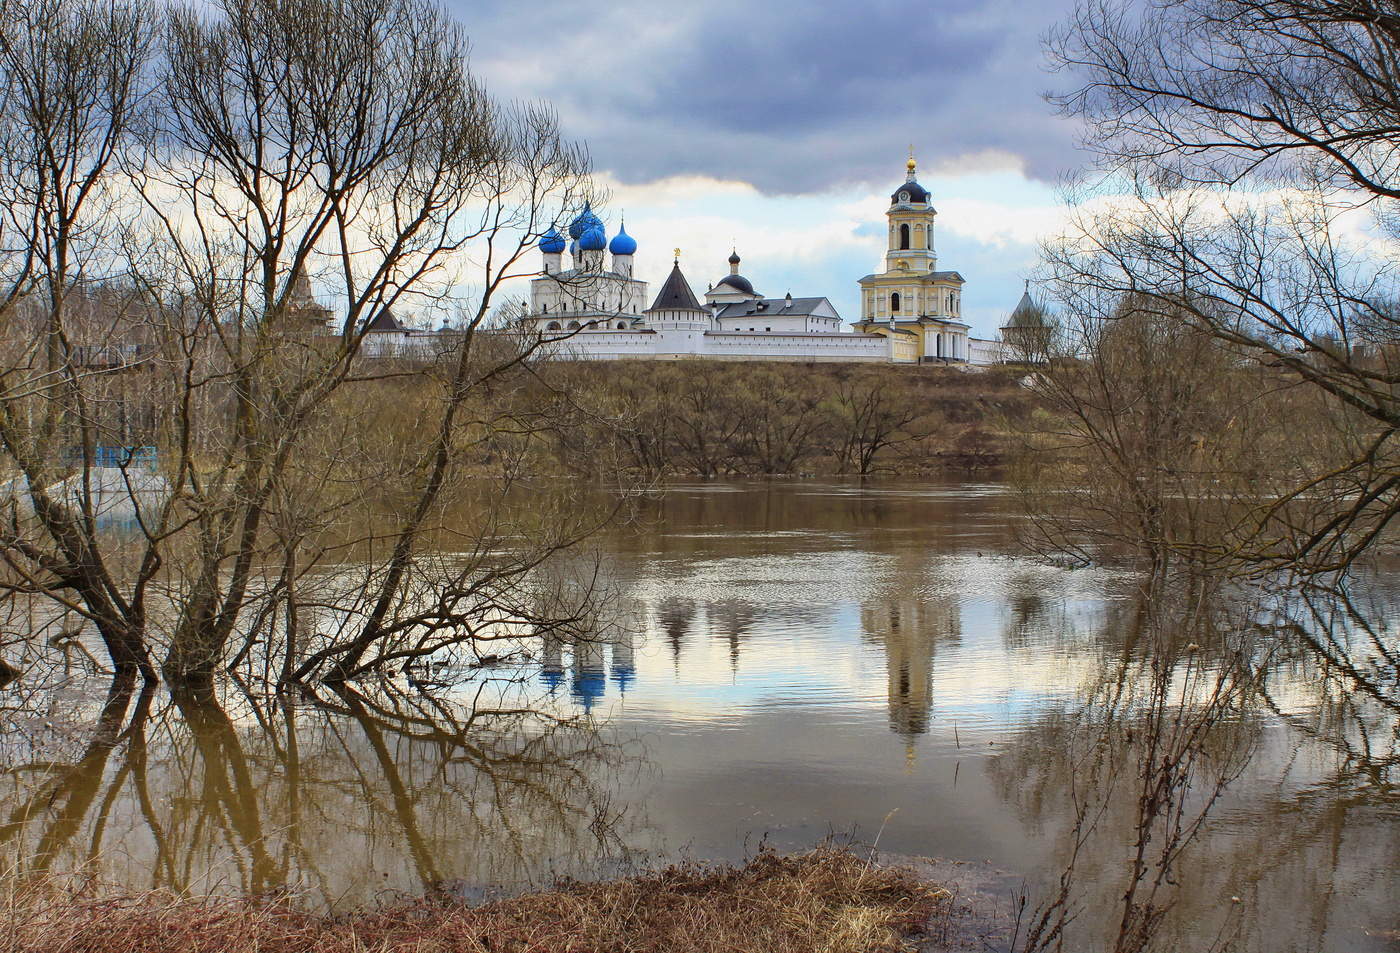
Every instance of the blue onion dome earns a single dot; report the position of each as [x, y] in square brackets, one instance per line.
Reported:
[552, 243]
[585, 220]
[622, 243]
[595, 239]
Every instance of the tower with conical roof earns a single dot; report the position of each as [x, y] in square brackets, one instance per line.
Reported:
[303, 312]
[1028, 333]
[676, 305]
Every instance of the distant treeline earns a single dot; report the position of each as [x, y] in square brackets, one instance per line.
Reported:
[714, 419]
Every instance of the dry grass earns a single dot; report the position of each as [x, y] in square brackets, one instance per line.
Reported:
[828, 901]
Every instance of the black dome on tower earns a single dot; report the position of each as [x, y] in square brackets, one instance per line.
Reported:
[910, 191]
[738, 283]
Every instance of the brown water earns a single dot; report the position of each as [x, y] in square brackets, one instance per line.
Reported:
[794, 660]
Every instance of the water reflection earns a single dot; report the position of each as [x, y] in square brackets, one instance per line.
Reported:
[791, 660]
[1183, 813]
[909, 631]
[343, 795]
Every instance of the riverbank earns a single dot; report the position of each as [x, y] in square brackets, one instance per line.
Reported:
[715, 419]
[829, 900]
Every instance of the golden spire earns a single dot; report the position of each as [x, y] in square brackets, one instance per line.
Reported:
[678, 256]
[911, 164]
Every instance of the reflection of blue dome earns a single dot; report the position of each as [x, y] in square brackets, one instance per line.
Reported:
[622, 243]
[589, 686]
[624, 675]
[586, 220]
[552, 243]
[595, 239]
[553, 677]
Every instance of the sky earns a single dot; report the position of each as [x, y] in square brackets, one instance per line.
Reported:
[782, 129]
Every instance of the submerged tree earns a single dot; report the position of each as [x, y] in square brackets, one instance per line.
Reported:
[211, 163]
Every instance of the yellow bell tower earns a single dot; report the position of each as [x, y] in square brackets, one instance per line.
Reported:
[911, 296]
[911, 216]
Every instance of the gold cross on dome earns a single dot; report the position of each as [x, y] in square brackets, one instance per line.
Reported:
[678, 254]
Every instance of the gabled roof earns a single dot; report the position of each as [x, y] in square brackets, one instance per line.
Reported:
[675, 294]
[384, 321]
[776, 307]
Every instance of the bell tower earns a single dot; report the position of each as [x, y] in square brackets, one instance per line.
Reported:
[911, 216]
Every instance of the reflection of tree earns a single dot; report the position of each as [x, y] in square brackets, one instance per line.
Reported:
[1031, 614]
[64, 793]
[1130, 780]
[341, 794]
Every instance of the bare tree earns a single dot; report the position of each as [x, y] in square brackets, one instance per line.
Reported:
[869, 418]
[70, 90]
[272, 150]
[1255, 141]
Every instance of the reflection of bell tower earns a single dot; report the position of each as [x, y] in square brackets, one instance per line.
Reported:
[909, 631]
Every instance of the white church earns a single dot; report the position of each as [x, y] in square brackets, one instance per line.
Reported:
[586, 304]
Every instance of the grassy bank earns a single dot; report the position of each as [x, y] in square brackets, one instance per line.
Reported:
[828, 900]
[711, 419]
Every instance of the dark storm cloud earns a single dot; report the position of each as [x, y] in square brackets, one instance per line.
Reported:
[791, 97]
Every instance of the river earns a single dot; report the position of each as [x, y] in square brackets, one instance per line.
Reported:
[787, 662]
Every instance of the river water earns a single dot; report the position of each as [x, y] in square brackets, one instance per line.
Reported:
[790, 661]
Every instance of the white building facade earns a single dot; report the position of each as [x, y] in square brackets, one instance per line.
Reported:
[586, 305]
[589, 307]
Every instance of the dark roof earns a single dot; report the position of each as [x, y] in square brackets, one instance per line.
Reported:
[738, 283]
[780, 307]
[1028, 314]
[927, 275]
[734, 257]
[384, 321]
[917, 193]
[675, 294]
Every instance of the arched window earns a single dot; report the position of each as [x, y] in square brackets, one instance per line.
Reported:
[904, 236]
[573, 325]
[622, 325]
[553, 326]
[546, 309]
[894, 302]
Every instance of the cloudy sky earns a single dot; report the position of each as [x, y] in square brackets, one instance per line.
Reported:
[783, 128]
